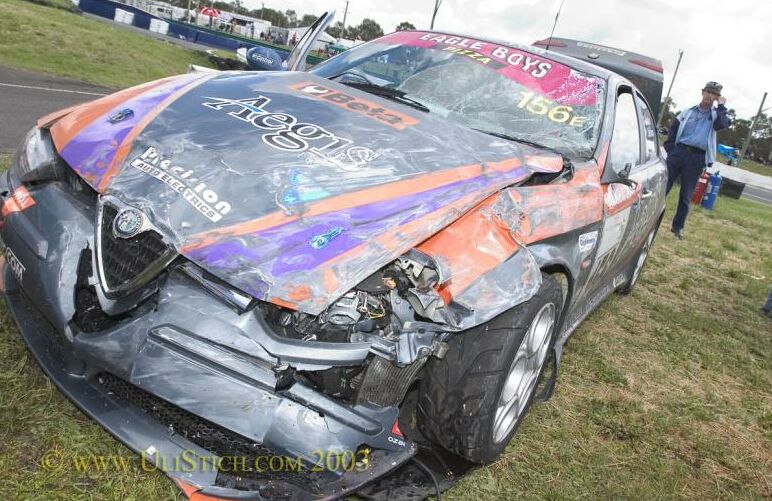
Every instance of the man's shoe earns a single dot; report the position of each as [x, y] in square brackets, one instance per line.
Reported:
[678, 233]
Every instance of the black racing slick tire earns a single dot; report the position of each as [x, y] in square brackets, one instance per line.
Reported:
[465, 399]
[636, 267]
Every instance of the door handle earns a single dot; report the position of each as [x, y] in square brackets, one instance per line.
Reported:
[646, 193]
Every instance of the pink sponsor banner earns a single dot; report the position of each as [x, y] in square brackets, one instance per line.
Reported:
[553, 80]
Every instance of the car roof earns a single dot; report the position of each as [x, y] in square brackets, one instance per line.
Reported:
[643, 71]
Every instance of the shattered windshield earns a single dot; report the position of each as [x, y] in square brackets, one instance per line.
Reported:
[486, 86]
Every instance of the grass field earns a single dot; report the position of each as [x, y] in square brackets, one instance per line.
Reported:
[663, 394]
[55, 41]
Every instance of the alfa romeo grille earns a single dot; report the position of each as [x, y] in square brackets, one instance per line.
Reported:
[128, 263]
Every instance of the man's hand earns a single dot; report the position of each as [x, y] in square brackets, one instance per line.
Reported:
[721, 100]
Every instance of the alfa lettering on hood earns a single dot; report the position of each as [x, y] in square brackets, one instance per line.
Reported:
[183, 181]
[285, 132]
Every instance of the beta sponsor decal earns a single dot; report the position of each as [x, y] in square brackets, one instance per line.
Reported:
[394, 119]
[14, 263]
[184, 181]
[20, 200]
[587, 241]
[556, 82]
[286, 133]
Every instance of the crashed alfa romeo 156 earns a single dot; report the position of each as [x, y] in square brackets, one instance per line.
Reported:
[387, 251]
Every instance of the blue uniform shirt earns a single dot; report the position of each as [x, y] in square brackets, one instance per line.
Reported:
[697, 129]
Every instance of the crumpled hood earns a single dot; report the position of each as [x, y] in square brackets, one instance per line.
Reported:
[290, 187]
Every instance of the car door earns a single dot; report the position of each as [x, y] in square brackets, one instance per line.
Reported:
[651, 174]
[621, 202]
[297, 58]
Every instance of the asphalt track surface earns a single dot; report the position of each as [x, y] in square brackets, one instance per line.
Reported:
[25, 96]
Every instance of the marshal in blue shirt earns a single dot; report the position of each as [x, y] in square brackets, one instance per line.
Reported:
[697, 128]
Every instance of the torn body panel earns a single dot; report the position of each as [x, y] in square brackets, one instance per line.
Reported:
[346, 205]
[266, 263]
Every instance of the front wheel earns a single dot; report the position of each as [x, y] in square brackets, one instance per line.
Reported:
[473, 400]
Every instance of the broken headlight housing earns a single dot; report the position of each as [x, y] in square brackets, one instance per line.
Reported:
[36, 159]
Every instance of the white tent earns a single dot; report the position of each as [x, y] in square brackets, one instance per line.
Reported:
[322, 41]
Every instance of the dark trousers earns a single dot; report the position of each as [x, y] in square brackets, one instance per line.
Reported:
[688, 166]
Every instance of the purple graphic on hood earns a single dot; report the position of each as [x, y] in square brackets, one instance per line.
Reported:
[93, 149]
[285, 249]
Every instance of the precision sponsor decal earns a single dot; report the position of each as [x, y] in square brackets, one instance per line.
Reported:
[587, 241]
[182, 180]
[14, 263]
[395, 119]
[20, 200]
[286, 133]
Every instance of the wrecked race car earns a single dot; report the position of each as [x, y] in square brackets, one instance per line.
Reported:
[304, 277]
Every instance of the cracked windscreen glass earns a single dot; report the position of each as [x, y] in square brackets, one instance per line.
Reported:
[490, 87]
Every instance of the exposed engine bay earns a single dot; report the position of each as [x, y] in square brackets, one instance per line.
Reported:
[394, 310]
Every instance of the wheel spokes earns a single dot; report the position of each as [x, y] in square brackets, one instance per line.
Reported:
[523, 372]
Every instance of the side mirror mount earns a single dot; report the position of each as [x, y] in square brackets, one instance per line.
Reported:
[611, 176]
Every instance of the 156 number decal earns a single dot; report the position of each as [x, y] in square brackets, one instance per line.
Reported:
[540, 105]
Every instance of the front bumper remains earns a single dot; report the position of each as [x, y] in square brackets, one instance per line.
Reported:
[164, 432]
[188, 376]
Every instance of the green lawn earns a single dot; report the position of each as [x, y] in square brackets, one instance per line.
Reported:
[52, 40]
[663, 394]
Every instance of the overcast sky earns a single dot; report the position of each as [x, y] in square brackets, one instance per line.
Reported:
[726, 41]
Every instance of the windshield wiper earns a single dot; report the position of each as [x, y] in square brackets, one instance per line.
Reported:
[394, 94]
[521, 140]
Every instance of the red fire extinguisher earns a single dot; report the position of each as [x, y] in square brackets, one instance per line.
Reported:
[702, 185]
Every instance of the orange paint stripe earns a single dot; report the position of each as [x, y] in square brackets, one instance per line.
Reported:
[72, 124]
[46, 120]
[580, 204]
[550, 163]
[280, 302]
[374, 194]
[128, 142]
[470, 247]
[630, 197]
[391, 241]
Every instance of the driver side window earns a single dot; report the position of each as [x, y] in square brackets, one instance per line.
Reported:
[626, 142]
